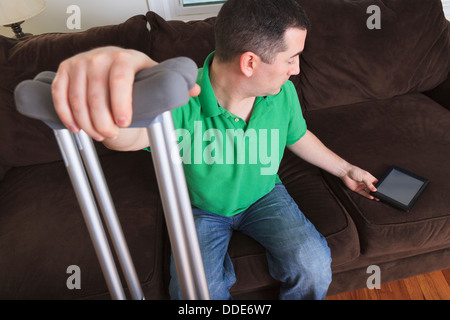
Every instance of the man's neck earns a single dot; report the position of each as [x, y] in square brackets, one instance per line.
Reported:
[230, 89]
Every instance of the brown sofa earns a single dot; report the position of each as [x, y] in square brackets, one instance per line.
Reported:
[377, 97]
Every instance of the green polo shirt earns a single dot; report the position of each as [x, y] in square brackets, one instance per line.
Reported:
[230, 164]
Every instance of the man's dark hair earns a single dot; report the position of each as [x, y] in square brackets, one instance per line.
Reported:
[258, 26]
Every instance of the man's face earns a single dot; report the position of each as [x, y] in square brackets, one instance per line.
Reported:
[271, 77]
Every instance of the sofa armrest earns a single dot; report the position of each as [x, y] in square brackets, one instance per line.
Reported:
[441, 94]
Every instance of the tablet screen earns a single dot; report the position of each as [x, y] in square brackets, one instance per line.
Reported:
[400, 186]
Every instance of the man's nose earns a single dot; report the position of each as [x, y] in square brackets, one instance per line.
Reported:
[295, 70]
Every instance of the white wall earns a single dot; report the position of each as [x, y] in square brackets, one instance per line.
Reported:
[173, 10]
[104, 12]
[92, 13]
[446, 5]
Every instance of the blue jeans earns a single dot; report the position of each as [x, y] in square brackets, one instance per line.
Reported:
[298, 256]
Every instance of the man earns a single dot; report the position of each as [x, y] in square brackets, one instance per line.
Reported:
[244, 92]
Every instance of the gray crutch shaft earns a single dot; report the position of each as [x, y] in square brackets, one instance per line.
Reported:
[89, 210]
[162, 160]
[185, 208]
[98, 182]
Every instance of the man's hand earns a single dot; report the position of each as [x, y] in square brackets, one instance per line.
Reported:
[360, 181]
[92, 91]
[312, 150]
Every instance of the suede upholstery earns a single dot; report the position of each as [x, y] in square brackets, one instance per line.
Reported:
[376, 97]
[406, 55]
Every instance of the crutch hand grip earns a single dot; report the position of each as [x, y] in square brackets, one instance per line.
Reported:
[157, 89]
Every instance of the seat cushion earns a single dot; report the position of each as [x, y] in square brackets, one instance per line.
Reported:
[42, 231]
[410, 131]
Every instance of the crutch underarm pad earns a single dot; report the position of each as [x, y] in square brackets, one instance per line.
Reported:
[156, 90]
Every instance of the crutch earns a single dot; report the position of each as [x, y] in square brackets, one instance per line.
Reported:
[156, 91]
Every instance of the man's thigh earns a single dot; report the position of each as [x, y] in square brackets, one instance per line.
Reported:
[277, 223]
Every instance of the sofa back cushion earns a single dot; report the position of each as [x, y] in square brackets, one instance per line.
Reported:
[25, 141]
[169, 39]
[346, 62]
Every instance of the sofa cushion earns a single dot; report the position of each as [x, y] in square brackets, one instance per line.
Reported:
[410, 131]
[24, 59]
[169, 39]
[251, 268]
[441, 94]
[345, 62]
[43, 232]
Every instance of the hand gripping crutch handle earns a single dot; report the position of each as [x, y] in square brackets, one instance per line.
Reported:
[156, 91]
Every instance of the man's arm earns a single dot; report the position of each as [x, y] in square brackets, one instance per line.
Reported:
[92, 91]
[312, 150]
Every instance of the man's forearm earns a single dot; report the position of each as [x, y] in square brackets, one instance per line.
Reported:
[312, 150]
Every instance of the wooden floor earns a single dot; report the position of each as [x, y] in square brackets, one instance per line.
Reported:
[432, 286]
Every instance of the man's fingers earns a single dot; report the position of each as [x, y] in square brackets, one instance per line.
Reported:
[121, 80]
[78, 99]
[98, 99]
[125, 65]
[60, 88]
[195, 91]
[369, 186]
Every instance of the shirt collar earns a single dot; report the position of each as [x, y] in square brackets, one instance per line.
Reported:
[208, 100]
[207, 97]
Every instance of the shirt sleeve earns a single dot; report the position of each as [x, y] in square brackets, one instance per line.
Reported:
[297, 124]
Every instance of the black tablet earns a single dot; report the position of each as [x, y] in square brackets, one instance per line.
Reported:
[400, 188]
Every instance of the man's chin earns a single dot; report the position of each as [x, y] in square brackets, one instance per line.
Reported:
[276, 91]
[272, 92]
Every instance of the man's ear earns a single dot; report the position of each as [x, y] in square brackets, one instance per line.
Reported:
[249, 62]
